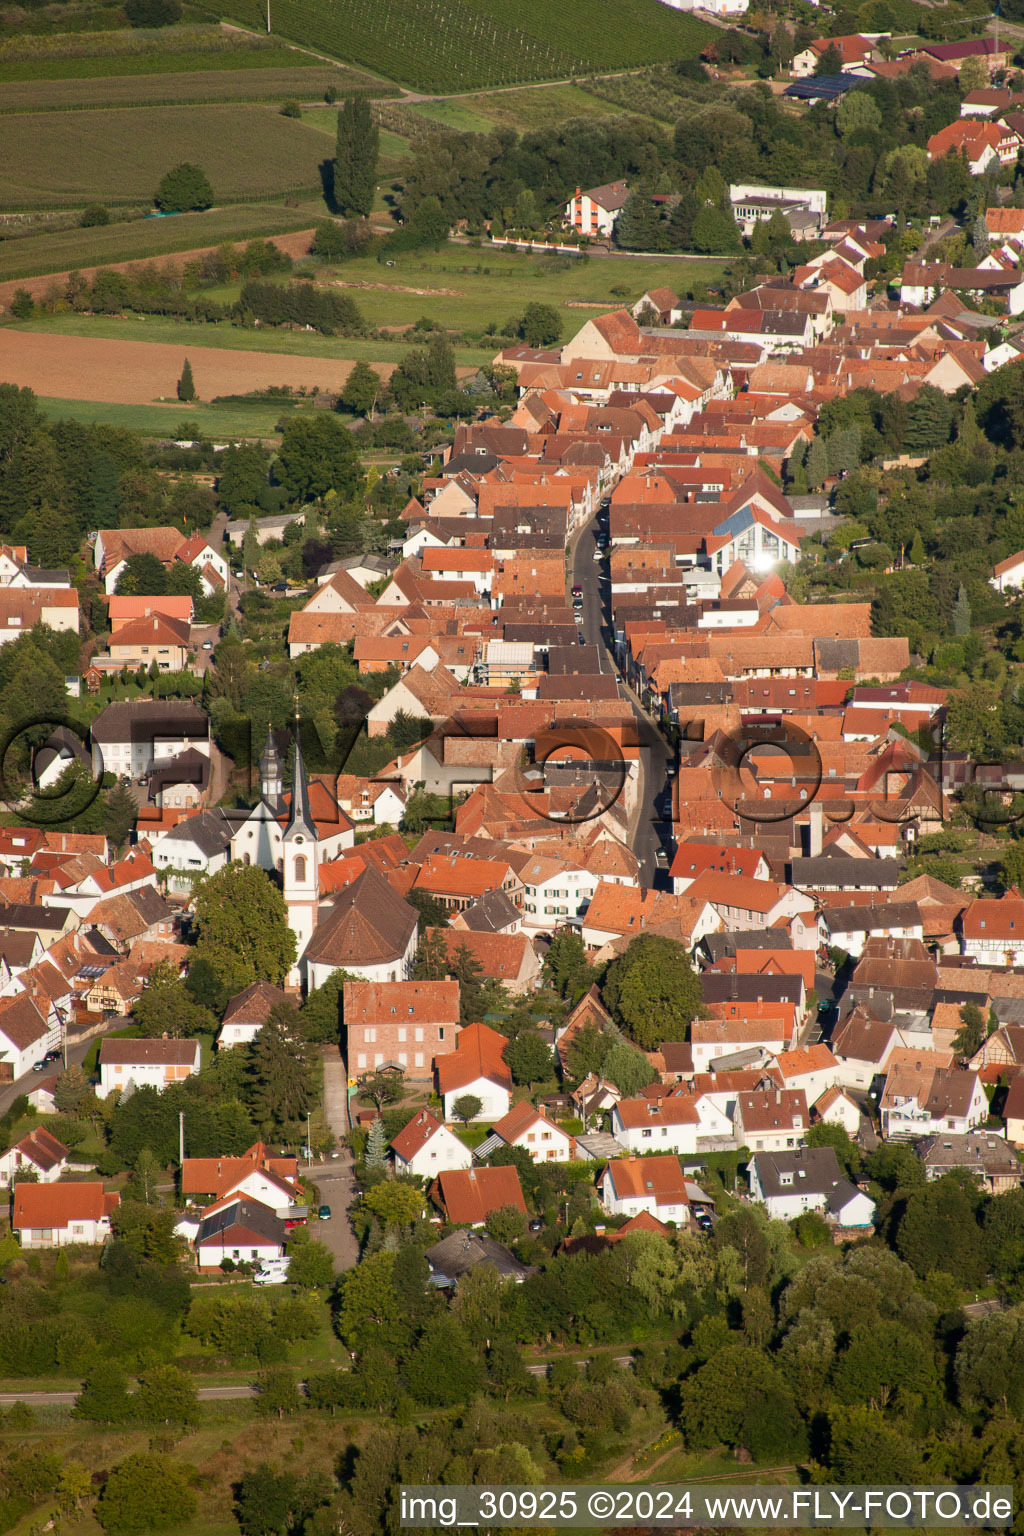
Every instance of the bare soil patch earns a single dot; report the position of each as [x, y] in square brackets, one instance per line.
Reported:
[145, 373]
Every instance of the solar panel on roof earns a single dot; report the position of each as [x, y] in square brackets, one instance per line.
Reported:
[92, 970]
[825, 87]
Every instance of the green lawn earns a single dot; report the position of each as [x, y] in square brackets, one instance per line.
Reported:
[54, 159]
[140, 239]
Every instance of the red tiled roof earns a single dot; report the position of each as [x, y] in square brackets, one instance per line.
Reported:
[55, 1205]
[469, 1195]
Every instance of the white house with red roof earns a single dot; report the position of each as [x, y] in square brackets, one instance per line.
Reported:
[656, 1185]
[595, 211]
[426, 1148]
[477, 1068]
[54, 1215]
[666, 1124]
[527, 1127]
[38, 1153]
[1009, 573]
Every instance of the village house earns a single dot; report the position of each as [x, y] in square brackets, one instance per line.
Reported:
[425, 1147]
[130, 1064]
[771, 1120]
[58, 1215]
[530, 1128]
[400, 1024]
[665, 1124]
[985, 1155]
[467, 1196]
[657, 1185]
[476, 1068]
[38, 1153]
[808, 1179]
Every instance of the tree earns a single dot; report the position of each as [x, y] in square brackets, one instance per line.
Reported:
[443, 1370]
[280, 1070]
[318, 455]
[506, 1224]
[243, 927]
[566, 962]
[528, 1057]
[961, 618]
[264, 1501]
[627, 1068]
[142, 574]
[74, 1486]
[816, 465]
[653, 992]
[166, 1395]
[376, 1155]
[144, 1178]
[119, 815]
[277, 1393]
[104, 1395]
[540, 325]
[917, 549]
[394, 1203]
[357, 149]
[847, 1153]
[186, 384]
[360, 390]
[972, 1032]
[72, 1088]
[588, 1050]
[830, 62]
[147, 1492]
[166, 1007]
[183, 190]
[311, 1265]
[467, 1106]
[382, 1087]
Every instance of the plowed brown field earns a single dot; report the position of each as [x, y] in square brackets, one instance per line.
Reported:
[142, 373]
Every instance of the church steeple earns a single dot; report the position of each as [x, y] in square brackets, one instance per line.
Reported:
[272, 773]
[301, 818]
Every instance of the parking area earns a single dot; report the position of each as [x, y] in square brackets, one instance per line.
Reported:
[337, 1189]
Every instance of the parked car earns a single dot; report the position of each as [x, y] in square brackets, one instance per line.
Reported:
[324, 1213]
[661, 858]
[577, 590]
[207, 645]
[51, 1056]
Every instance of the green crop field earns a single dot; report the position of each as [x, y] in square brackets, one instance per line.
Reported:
[54, 159]
[209, 85]
[63, 250]
[439, 45]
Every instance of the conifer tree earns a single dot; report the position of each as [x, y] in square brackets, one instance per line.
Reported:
[186, 385]
[356, 154]
[376, 1146]
[961, 614]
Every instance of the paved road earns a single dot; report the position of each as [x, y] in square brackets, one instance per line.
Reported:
[25, 1084]
[65, 1399]
[647, 832]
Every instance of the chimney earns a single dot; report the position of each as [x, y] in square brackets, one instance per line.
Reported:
[816, 824]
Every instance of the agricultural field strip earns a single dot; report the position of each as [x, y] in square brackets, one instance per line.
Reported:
[69, 158]
[142, 239]
[158, 90]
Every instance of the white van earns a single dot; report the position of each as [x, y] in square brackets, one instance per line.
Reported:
[272, 1272]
